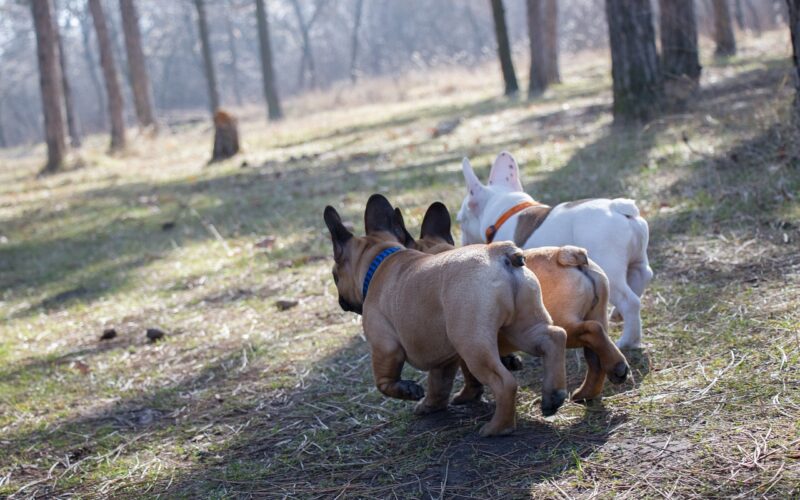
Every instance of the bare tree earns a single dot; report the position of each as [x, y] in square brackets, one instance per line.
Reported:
[72, 117]
[723, 29]
[113, 91]
[551, 40]
[274, 111]
[208, 61]
[680, 60]
[538, 48]
[307, 58]
[234, 62]
[504, 47]
[140, 81]
[359, 7]
[794, 27]
[634, 61]
[91, 65]
[49, 83]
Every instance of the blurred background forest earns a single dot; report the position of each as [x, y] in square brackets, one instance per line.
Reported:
[316, 46]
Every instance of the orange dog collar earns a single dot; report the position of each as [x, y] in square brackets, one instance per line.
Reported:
[491, 231]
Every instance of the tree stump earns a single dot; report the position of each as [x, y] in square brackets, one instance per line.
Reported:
[226, 136]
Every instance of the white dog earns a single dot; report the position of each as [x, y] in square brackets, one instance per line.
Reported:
[611, 230]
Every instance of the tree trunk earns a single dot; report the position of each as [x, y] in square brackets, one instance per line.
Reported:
[267, 72]
[208, 61]
[723, 29]
[551, 39]
[739, 14]
[794, 27]
[113, 91]
[538, 49]
[72, 119]
[354, 40]
[50, 84]
[308, 57]
[140, 81]
[755, 18]
[634, 61]
[680, 60]
[91, 68]
[234, 65]
[504, 47]
[226, 136]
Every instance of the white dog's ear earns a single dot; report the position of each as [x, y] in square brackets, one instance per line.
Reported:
[475, 189]
[505, 172]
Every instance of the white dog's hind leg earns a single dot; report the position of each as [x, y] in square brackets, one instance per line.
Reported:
[627, 302]
[639, 276]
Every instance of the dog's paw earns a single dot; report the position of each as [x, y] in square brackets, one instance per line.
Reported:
[512, 362]
[424, 408]
[552, 402]
[489, 430]
[407, 389]
[466, 396]
[620, 373]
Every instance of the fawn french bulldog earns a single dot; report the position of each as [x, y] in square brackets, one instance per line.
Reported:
[471, 304]
[574, 291]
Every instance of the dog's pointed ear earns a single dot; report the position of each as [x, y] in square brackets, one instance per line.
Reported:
[379, 216]
[339, 233]
[437, 223]
[505, 172]
[475, 190]
[408, 240]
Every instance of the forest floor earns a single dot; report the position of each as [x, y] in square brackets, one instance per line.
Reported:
[242, 398]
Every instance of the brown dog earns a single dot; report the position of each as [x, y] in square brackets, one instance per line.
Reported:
[574, 291]
[427, 310]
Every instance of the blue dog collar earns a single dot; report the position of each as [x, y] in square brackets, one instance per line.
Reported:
[374, 267]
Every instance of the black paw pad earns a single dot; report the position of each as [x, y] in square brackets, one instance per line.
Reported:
[512, 362]
[410, 390]
[552, 402]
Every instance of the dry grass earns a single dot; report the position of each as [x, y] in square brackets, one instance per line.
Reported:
[242, 399]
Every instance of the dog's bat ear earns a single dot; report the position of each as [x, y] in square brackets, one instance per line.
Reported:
[408, 240]
[379, 216]
[339, 233]
[505, 172]
[437, 223]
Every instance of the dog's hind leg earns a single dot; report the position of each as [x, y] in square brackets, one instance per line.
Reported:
[549, 342]
[639, 276]
[484, 363]
[472, 390]
[440, 383]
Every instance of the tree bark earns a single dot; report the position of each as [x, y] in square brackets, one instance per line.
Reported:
[72, 119]
[113, 91]
[536, 39]
[794, 27]
[91, 67]
[504, 47]
[208, 61]
[354, 40]
[274, 111]
[234, 65]
[723, 29]
[634, 61]
[140, 81]
[49, 83]
[755, 18]
[680, 60]
[307, 60]
[739, 12]
[551, 38]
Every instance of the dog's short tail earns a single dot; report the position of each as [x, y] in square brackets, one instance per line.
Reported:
[626, 207]
[571, 256]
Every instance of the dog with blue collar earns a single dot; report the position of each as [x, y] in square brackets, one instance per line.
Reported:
[473, 304]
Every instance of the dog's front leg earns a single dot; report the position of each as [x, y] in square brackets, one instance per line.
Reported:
[440, 383]
[388, 358]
